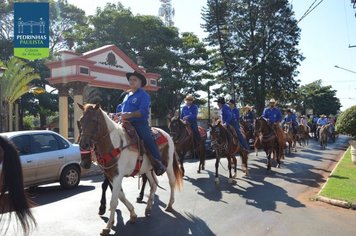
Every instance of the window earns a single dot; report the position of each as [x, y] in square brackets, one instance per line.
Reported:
[22, 143]
[84, 70]
[44, 143]
[153, 82]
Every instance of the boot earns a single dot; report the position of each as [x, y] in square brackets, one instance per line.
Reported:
[159, 167]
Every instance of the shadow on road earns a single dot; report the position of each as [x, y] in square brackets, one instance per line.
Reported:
[49, 194]
[162, 223]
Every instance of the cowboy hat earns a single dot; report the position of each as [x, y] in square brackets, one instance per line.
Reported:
[322, 116]
[220, 100]
[248, 107]
[138, 75]
[272, 100]
[189, 97]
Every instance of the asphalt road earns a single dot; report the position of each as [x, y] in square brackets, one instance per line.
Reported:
[278, 203]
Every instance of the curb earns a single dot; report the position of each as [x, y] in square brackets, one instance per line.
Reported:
[335, 202]
[331, 201]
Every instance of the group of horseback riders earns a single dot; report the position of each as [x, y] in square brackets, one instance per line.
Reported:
[135, 108]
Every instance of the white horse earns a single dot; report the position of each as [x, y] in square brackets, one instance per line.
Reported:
[119, 159]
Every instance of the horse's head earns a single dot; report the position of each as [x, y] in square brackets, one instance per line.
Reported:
[261, 125]
[92, 125]
[176, 127]
[215, 132]
[287, 126]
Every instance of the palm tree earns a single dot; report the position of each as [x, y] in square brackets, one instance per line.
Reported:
[15, 82]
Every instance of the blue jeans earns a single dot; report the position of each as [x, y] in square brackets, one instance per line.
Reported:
[194, 126]
[241, 138]
[144, 132]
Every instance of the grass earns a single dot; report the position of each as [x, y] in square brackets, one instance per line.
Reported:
[342, 183]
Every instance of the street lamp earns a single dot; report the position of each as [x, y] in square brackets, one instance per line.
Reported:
[2, 70]
[339, 67]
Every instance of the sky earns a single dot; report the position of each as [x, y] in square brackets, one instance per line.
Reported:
[326, 34]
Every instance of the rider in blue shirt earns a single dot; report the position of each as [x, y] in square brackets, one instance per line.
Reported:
[190, 113]
[135, 108]
[291, 117]
[274, 116]
[236, 116]
[228, 118]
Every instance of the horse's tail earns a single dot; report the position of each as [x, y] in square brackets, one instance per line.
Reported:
[12, 182]
[178, 172]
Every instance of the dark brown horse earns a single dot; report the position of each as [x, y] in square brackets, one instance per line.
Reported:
[303, 135]
[269, 141]
[12, 194]
[183, 139]
[226, 144]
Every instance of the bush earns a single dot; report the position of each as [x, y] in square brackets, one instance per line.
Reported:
[346, 123]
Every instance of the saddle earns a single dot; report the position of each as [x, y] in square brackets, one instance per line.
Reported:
[202, 131]
[136, 144]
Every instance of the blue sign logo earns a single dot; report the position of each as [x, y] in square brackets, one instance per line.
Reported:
[31, 30]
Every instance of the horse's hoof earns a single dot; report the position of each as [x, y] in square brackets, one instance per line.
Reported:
[139, 199]
[133, 218]
[198, 171]
[148, 212]
[234, 176]
[203, 168]
[102, 210]
[169, 209]
[105, 232]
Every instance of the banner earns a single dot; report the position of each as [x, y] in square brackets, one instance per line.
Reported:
[31, 30]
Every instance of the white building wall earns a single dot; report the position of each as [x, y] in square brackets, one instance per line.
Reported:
[63, 71]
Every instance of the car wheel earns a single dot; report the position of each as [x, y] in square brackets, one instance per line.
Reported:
[70, 177]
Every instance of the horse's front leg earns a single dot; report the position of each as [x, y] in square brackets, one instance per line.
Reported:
[234, 166]
[104, 187]
[152, 179]
[230, 160]
[142, 192]
[217, 161]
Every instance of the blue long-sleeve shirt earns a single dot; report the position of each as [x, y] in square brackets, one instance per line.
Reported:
[226, 114]
[272, 114]
[322, 121]
[236, 114]
[191, 112]
[292, 118]
[248, 116]
[139, 101]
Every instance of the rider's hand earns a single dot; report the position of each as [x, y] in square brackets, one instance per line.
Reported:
[126, 115]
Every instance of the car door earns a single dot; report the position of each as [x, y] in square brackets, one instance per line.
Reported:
[28, 159]
[50, 157]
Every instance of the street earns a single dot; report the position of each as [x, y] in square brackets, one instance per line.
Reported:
[278, 203]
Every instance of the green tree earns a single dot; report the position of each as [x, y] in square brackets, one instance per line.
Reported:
[180, 60]
[257, 42]
[346, 122]
[15, 82]
[322, 99]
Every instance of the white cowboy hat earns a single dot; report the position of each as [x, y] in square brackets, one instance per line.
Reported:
[189, 97]
[272, 100]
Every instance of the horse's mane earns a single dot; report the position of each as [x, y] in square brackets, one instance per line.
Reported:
[111, 125]
[12, 182]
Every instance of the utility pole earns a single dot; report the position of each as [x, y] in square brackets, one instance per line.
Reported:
[2, 70]
[166, 11]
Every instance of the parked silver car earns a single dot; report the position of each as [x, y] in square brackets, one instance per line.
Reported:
[46, 157]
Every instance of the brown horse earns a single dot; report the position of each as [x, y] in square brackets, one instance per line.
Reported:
[303, 135]
[323, 136]
[183, 139]
[270, 141]
[119, 158]
[290, 136]
[12, 194]
[226, 145]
